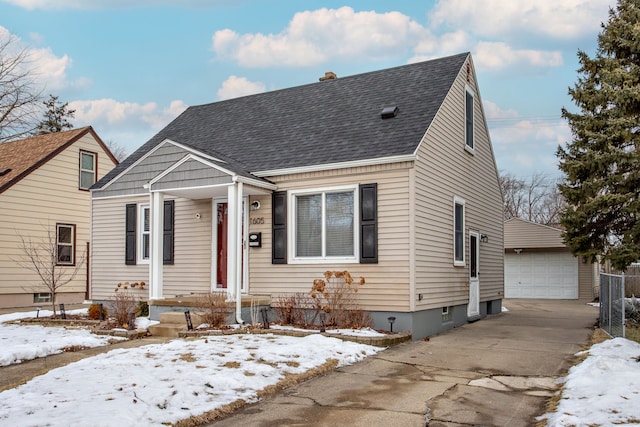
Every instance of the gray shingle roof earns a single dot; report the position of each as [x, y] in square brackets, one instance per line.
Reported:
[320, 123]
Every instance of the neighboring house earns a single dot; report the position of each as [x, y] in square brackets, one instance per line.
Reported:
[389, 175]
[44, 188]
[538, 264]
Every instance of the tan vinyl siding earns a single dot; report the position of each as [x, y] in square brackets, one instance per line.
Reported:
[586, 274]
[519, 233]
[444, 169]
[191, 271]
[47, 196]
[387, 283]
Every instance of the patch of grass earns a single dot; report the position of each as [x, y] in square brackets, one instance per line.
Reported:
[187, 357]
[633, 333]
[232, 365]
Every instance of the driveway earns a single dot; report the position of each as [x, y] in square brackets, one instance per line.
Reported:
[499, 371]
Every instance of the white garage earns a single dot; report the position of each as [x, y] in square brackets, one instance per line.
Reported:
[537, 264]
[540, 275]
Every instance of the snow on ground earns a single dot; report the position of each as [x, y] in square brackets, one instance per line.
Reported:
[20, 342]
[603, 390]
[165, 383]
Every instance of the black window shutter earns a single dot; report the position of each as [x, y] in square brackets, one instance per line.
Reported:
[279, 228]
[130, 234]
[369, 223]
[168, 232]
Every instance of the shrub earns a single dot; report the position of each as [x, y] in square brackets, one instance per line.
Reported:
[215, 309]
[124, 302]
[297, 309]
[143, 309]
[335, 295]
[94, 312]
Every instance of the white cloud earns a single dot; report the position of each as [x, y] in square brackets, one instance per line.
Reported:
[498, 55]
[47, 70]
[314, 37]
[235, 87]
[129, 124]
[566, 19]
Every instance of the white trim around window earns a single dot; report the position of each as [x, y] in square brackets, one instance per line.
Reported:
[459, 220]
[144, 234]
[65, 244]
[87, 174]
[469, 120]
[315, 238]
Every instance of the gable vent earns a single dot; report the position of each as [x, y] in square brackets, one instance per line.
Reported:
[4, 171]
[389, 112]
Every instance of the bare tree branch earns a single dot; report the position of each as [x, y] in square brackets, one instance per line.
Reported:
[41, 257]
[536, 199]
[19, 93]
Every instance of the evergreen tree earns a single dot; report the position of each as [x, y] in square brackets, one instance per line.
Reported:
[602, 162]
[55, 117]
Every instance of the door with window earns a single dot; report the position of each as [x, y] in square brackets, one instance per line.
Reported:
[221, 254]
[473, 308]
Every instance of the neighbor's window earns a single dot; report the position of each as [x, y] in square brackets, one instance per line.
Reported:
[87, 169]
[458, 231]
[65, 244]
[324, 224]
[469, 120]
[144, 230]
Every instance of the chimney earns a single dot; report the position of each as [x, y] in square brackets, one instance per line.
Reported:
[329, 75]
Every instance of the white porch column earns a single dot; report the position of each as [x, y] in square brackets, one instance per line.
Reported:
[232, 241]
[238, 253]
[156, 255]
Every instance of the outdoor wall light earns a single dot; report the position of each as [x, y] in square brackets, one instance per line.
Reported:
[255, 205]
[484, 238]
[198, 216]
[518, 250]
[391, 320]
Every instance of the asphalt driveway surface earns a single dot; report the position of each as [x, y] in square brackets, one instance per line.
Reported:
[499, 371]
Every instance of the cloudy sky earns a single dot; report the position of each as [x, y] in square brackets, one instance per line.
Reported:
[128, 67]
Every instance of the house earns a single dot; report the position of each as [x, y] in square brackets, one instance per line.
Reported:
[45, 199]
[389, 175]
[538, 264]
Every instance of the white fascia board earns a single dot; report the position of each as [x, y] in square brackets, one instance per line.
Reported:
[255, 183]
[342, 165]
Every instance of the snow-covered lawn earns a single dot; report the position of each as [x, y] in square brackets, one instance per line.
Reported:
[165, 383]
[19, 343]
[603, 390]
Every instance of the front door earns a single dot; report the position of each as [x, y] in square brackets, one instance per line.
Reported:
[221, 244]
[473, 309]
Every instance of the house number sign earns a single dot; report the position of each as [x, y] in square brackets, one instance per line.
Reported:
[259, 220]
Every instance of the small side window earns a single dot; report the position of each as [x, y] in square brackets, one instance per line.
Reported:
[458, 232]
[468, 132]
[65, 244]
[87, 169]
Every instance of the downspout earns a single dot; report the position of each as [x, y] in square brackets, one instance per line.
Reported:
[239, 248]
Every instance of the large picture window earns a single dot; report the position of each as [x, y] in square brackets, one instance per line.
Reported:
[458, 232]
[65, 244]
[325, 224]
[87, 169]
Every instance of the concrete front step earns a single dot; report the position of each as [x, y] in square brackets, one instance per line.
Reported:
[172, 323]
[170, 330]
[178, 318]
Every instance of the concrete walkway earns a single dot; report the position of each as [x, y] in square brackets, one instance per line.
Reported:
[499, 371]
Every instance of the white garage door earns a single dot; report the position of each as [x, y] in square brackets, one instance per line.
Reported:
[540, 275]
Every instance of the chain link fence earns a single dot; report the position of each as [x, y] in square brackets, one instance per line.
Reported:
[612, 304]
